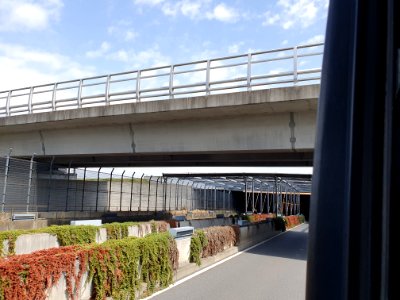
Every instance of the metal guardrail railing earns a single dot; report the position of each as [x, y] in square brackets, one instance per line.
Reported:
[278, 67]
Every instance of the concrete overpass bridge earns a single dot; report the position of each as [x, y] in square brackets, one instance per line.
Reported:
[235, 110]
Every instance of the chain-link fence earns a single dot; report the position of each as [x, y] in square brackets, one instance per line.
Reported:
[37, 187]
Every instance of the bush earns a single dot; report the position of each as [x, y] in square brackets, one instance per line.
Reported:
[197, 244]
[212, 240]
[118, 268]
[68, 235]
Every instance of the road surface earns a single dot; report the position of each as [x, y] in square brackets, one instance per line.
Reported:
[273, 270]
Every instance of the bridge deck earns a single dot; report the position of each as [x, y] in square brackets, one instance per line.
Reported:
[275, 269]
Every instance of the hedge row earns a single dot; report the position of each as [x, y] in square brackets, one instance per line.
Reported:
[212, 240]
[286, 222]
[69, 235]
[121, 269]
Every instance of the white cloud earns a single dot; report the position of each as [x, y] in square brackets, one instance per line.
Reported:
[27, 67]
[26, 15]
[194, 9]
[320, 38]
[235, 48]
[271, 19]
[284, 42]
[148, 2]
[122, 30]
[291, 13]
[103, 49]
[223, 13]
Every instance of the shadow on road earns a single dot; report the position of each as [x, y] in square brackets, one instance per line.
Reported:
[291, 244]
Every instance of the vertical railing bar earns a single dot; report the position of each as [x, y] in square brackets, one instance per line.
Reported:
[53, 97]
[97, 189]
[30, 100]
[148, 194]
[8, 103]
[208, 78]
[30, 182]
[80, 93]
[130, 203]
[155, 205]
[249, 58]
[49, 183]
[67, 193]
[83, 187]
[138, 86]
[6, 170]
[171, 82]
[107, 92]
[109, 189]
[295, 64]
[120, 195]
[140, 193]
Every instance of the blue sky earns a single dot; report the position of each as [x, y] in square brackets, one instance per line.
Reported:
[43, 41]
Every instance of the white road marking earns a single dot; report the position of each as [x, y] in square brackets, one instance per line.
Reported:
[214, 265]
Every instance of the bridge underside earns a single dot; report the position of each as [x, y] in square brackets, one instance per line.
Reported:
[233, 158]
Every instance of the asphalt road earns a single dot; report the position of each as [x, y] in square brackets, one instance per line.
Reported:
[274, 270]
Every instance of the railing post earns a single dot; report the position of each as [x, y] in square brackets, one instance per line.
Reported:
[148, 194]
[295, 64]
[208, 77]
[252, 195]
[28, 198]
[8, 103]
[249, 71]
[53, 97]
[97, 189]
[109, 190]
[49, 183]
[83, 188]
[171, 82]
[140, 193]
[67, 194]
[6, 170]
[155, 206]
[120, 195]
[107, 92]
[80, 93]
[138, 86]
[130, 203]
[30, 100]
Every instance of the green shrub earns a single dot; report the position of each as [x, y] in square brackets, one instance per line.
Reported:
[197, 244]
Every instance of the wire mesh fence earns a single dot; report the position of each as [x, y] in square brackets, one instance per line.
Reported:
[37, 187]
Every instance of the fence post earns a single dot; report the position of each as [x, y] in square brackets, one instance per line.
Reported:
[120, 195]
[66, 199]
[109, 190]
[171, 82]
[49, 183]
[130, 203]
[30, 182]
[97, 189]
[155, 206]
[295, 64]
[208, 77]
[8, 113]
[148, 194]
[140, 193]
[6, 170]
[249, 72]
[83, 188]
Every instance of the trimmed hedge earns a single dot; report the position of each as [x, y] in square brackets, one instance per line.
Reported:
[212, 240]
[286, 222]
[118, 268]
[69, 235]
